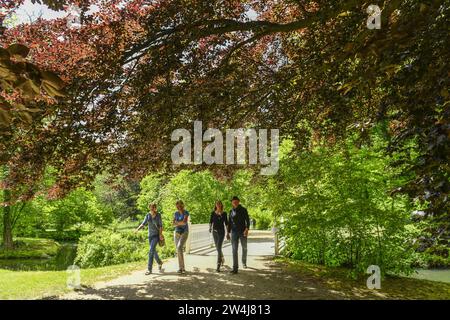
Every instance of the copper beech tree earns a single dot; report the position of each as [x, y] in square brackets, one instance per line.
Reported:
[136, 70]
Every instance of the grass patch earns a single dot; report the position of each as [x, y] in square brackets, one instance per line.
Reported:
[127, 225]
[43, 284]
[31, 248]
[338, 280]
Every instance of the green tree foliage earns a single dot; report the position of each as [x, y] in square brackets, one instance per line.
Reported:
[176, 61]
[311, 69]
[199, 190]
[109, 198]
[78, 207]
[335, 208]
[150, 191]
[118, 194]
[67, 218]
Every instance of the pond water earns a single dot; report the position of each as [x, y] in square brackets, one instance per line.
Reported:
[442, 275]
[64, 258]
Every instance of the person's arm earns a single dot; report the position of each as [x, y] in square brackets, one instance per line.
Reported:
[225, 220]
[184, 221]
[142, 224]
[247, 222]
[186, 218]
[174, 221]
[161, 235]
[229, 227]
[160, 225]
[211, 221]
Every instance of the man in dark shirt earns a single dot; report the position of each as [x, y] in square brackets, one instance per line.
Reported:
[239, 223]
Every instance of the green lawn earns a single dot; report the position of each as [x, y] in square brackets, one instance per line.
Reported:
[41, 284]
[31, 248]
[337, 279]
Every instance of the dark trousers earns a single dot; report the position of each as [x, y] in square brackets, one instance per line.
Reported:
[235, 237]
[218, 241]
[152, 254]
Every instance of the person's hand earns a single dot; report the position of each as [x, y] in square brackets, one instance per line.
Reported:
[161, 237]
[210, 230]
[246, 233]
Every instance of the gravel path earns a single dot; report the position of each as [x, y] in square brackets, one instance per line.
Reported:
[263, 279]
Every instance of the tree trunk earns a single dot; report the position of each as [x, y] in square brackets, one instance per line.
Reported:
[7, 222]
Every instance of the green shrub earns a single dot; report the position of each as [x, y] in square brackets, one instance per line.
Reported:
[106, 247]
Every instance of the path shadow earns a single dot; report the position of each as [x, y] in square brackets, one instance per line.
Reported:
[270, 283]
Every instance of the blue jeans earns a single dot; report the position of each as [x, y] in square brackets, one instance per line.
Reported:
[235, 237]
[153, 240]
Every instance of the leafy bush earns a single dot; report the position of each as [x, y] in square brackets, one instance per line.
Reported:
[107, 247]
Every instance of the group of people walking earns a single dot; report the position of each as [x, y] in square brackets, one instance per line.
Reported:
[234, 227]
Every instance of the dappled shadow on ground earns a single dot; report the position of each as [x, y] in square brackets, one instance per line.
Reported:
[268, 283]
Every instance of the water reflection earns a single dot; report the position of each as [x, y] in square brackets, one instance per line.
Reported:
[64, 258]
[442, 275]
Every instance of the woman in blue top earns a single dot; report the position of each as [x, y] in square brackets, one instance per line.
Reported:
[155, 229]
[180, 222]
